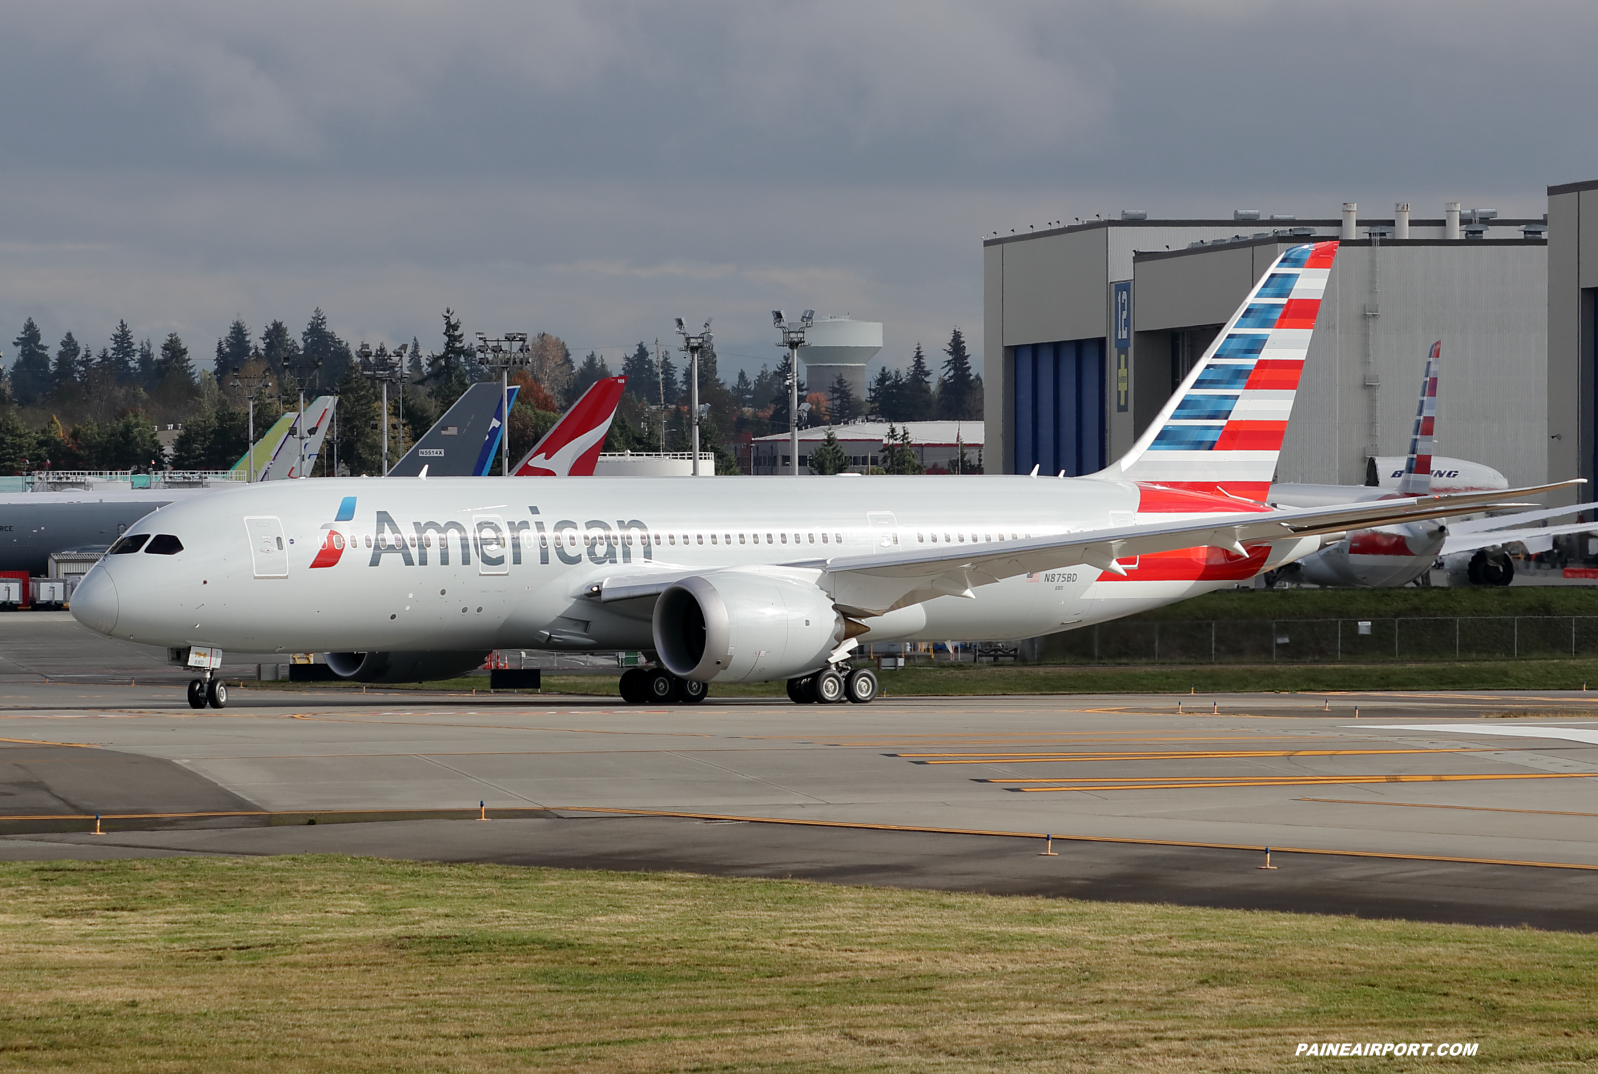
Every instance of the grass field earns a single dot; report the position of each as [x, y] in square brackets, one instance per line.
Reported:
[301, 964]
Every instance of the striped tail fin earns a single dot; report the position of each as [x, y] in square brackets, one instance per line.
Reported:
[1222, 430]
[1417, 479]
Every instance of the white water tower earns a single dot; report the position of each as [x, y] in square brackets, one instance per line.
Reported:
[837, 346]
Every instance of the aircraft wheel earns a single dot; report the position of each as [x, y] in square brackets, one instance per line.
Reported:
[861, 686]
[829, 687]
[693, 692]
[632, 686]
[196, 693]
[216, 694]
[660, 687]
[801, 691]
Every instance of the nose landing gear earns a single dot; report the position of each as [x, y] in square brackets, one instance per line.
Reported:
[207, 691]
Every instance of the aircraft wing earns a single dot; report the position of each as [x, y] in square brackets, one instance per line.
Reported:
[874, 584]
[1535, 538]
[1501, 522]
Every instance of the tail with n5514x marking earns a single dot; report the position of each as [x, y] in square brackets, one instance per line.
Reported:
[1222, 430]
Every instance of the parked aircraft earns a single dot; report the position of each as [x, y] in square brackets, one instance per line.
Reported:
[35, 524]
[748, 579]
[572, 447]
[1397, 555]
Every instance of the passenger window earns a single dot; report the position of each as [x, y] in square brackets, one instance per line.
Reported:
[823, 538]
[837, 538]
[812, 538]
[368, 540]
[770, 539]
[164, 544]
[921, 538]
[712, 538]
[672, 538]
[129, 544]
[962, 538]
[741, 539]
[701, 538]
[785, 538]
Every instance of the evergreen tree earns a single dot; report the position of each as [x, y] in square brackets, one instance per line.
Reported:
[765, 388]
[916, 402]
[324, 358]
[639, 369]
[124, 355]
[16, 446]
[281, 351]
[885, 394]
[147, 376]
[959, 391]
[447, 370]
[173, 359]
[359, 444]
[743, 389]
[30, 369]
[841, 405]
[415, 371]
[829, 458]
[898, 456]
[591, 372]
[129, 443]
[232, 350]
[70, 364]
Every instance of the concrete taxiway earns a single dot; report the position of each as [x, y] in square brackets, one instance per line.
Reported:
[1473, 807]
[1417, 808]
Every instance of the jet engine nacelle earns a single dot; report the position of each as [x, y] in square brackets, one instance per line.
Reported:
[419, 666]
[739, 626]
[1485, 566]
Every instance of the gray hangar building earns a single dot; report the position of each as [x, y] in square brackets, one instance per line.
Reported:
[1089, 328]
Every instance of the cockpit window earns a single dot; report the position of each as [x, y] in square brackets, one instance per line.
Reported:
[164, 544]
[131, 542]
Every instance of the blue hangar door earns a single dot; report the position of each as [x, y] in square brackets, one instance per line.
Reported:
[1059, 407]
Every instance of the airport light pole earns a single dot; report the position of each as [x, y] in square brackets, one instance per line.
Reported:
[501, 353]
[251, 384]
[383, 368]
[793, 338]
[693, 344]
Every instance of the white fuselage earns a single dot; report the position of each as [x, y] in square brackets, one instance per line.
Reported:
[522, 556]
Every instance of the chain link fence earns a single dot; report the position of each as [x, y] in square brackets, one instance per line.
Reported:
[1301, 641]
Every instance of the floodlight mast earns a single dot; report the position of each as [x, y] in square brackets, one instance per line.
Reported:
[251, 384]
[383, 368]
[502, 353]
[693, 344]
[793, 338]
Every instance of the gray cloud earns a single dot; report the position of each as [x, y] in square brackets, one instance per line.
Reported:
[594, 168]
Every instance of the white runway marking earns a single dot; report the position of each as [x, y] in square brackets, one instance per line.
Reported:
[1588, 735]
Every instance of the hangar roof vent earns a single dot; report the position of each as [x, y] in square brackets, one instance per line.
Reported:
[1245, 214]
[1134, 214]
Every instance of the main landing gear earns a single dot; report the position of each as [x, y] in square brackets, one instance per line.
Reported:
[833, 685]
[209, 690]
[657, 686]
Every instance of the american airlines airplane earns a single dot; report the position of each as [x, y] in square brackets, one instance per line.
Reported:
[748, 579]
[1397, 555]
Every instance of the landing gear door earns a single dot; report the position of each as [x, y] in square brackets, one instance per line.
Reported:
[493, 548]
[268, 550]
[884, 530]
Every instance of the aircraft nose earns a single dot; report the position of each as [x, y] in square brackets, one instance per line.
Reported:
[94, 602]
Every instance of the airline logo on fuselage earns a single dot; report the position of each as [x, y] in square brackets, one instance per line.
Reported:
[491, 538]
[333, 541]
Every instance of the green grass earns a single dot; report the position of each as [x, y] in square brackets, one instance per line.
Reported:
[303, 964]
[941, 680]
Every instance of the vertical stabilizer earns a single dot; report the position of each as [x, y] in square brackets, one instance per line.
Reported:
[1222, 430]
[1417, 479]
[571, 448]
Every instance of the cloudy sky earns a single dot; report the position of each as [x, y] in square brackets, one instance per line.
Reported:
[593, 168]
